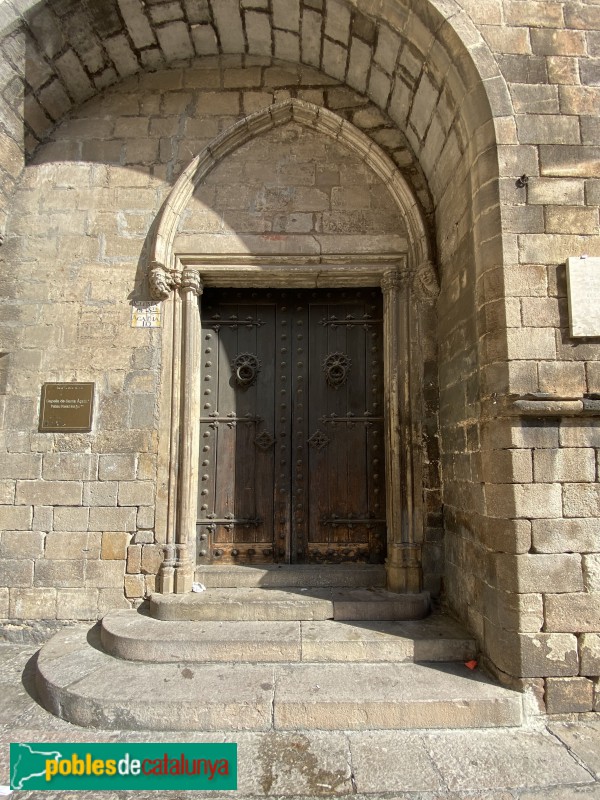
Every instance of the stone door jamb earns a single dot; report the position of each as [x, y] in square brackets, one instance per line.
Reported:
[179, 443]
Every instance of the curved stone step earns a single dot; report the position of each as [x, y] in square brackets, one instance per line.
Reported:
[260, 604]
[137, 637]
[82, 684]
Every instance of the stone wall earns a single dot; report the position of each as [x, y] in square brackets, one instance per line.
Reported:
[78, 525]
[465, 97]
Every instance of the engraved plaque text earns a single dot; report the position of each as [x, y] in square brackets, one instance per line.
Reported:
[66, 407]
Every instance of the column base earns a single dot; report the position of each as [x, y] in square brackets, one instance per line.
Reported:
[183, 579]
[403, 569]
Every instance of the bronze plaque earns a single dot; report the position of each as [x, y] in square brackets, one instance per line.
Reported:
[66, 407]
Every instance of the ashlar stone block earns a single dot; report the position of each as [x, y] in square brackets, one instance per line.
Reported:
[16, 572]
[104, 574]
[533, 655]
[514, 612]
[569, 695]
[20, 465]
[71, 519]
[36, 603]
[589, 648]
[49, 493]
[136, 493]
[58, 573]
[524, 500]
[538, 572]
[21, 544]
[581, 500]
[70, 544]
[16, 518]
[577, 612]
[565, 464]
[114, 545]
[566, 535]
[103, 518]
[77, 604]
[119, 467]
[134, 586]
[591, 570]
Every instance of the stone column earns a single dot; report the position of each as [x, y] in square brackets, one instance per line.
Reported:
[403, 563]
[189, 433]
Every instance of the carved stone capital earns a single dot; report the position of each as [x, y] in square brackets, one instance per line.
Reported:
[162, 281]
[425, 286]
[392, 280]
[191, 281]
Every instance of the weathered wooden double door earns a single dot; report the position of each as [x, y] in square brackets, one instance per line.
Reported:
[291, 465]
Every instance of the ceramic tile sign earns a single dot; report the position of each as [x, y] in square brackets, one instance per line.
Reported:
[583, 288]
[145, 314]
[66, 407]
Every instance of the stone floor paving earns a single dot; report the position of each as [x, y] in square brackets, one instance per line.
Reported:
[560, 761]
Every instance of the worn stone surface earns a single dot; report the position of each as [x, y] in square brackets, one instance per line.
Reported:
[463, 100]
[290, 604]
[589, 647]
[524, 760]
[519, 764]
[288, 575]
[385, 696]
[82, 684]
[564, 695]
[129, 635]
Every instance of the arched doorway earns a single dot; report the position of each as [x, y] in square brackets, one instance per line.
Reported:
[408, 282]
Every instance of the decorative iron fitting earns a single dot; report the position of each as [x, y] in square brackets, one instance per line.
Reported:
[336, 367]
[365, 321]
[211, 522]
[215, 322]
[245, 368]
[319, 440]
[264, 440]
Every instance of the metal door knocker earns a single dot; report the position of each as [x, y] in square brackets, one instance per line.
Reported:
[245, 367]
[336, 367]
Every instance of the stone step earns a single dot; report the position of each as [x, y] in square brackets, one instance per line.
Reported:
[272, 576]
[289, 604]
[81, 683]
[137, 637]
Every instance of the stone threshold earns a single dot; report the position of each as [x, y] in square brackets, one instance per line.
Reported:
[284, 604]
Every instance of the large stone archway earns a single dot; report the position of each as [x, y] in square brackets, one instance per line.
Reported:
[406, 279]
[462, 119]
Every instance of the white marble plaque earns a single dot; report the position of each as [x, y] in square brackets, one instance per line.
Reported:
[583, 287]
[145, 314]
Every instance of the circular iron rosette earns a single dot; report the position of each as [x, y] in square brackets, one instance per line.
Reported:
[336, 367]
[245, 368]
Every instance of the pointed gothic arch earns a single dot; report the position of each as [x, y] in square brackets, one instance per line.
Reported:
[406, 279]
